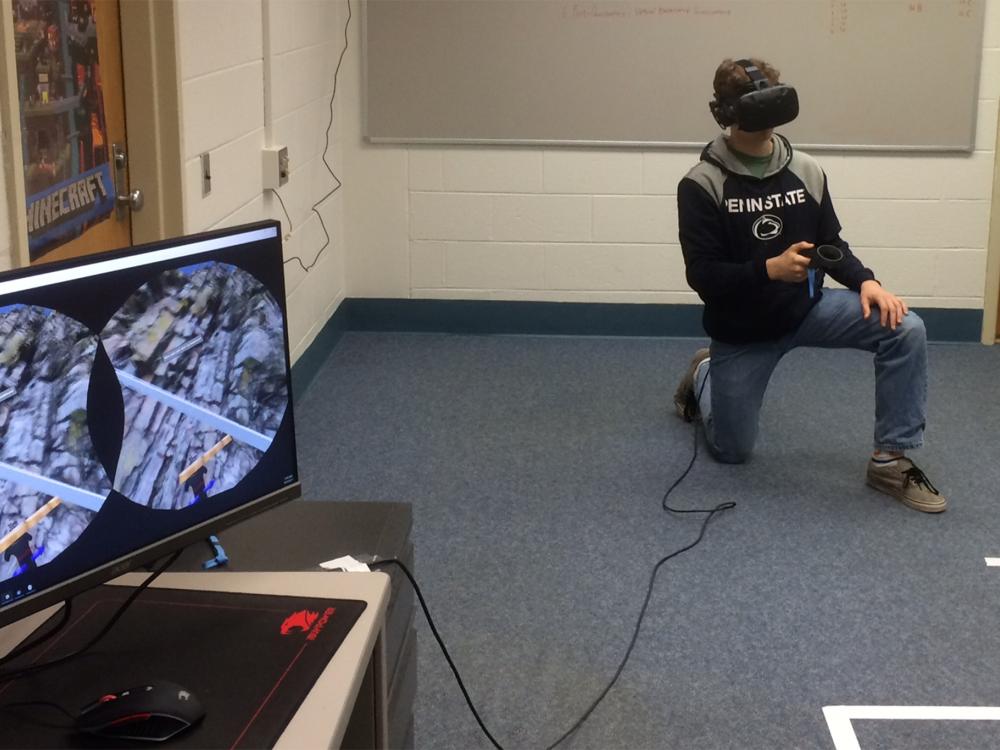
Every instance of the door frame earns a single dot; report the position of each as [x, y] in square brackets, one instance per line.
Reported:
[10, 128]
[991, 295]
[152, 122]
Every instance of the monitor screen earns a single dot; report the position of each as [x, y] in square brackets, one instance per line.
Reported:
[145, 402]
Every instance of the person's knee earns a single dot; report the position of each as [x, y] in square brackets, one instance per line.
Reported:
[732, 454]
[912, 326]
[731, 440]
[911, 331]
[733, 457]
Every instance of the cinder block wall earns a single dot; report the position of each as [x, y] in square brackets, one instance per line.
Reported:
[508, 223]
[256, 74]
[601, 224]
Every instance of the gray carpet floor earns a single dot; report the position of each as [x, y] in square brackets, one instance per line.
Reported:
[536, 468]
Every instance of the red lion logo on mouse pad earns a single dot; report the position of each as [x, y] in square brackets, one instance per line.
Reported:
[299, 621]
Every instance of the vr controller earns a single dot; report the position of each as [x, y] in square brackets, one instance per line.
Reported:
[765, 106]
[827, 257]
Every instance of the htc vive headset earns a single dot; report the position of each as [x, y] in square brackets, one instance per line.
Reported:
[764, 106]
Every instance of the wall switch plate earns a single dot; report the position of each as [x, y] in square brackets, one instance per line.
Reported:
[276, 167]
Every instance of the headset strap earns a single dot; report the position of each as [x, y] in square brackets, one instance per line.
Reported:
[757, 79]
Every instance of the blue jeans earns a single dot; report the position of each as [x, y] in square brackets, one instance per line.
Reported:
[731, 386]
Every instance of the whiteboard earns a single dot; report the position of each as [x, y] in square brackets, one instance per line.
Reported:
[870, 74]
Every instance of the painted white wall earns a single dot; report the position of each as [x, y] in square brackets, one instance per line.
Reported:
[6, 242]
[377, 195]
[601, 224]
[507, 223]
[255, 74]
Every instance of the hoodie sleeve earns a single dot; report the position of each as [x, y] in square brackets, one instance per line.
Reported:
[853, 273]
[709, 270]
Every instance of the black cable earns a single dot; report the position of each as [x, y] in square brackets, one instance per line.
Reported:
[336, 75]
[444, 649]
[710, 514]
[10, 708]
[66, 612]
[278, 196]
[638, 625]
[33, 668]
[682, 477]
[694, 457]
[656, 569]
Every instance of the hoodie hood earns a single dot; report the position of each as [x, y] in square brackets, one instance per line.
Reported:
[718, 153]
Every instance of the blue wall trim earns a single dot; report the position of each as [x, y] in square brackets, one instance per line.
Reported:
[309, 362]
[549, 318]
[582, 318]
[946, 324]
[538, 318]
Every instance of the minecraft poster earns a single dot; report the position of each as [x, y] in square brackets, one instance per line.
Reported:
[67, 173]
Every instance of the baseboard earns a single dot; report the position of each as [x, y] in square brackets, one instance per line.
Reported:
[309, 362]
[531, 318]
[949, 324]
[550, 318]
[583, 318]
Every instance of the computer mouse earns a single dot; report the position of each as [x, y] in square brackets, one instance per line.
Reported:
[155, 711]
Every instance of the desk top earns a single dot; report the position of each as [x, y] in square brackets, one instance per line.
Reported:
[323, 715]
[300, 534]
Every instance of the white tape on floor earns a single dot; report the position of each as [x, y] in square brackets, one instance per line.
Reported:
[992, 562]
[839, 718]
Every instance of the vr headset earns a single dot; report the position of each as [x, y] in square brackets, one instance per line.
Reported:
[763, 106]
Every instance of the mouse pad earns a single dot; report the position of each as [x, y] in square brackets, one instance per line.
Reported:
[250, 659]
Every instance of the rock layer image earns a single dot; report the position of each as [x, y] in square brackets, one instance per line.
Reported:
[200, 354]
[51, 483]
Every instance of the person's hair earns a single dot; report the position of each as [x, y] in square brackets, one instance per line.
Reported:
[731, 80]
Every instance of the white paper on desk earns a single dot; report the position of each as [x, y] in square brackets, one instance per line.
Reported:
[346, 563]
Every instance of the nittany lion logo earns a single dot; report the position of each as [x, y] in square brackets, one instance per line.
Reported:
[299, 621]
[767, 227]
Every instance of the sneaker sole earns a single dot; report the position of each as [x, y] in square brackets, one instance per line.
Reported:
[680, 400]
[907, 501]
[681, 408]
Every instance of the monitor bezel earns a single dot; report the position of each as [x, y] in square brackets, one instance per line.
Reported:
[28, 605]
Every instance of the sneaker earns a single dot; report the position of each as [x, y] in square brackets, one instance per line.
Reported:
[684, 399]
[907, 483]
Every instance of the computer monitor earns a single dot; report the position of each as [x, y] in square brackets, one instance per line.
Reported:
[145, 403]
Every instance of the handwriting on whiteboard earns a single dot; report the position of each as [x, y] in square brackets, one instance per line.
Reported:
[603, 11]
[838, 20]
[838, 16]
[963, 8]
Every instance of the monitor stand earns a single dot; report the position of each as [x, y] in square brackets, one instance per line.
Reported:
[17, 632]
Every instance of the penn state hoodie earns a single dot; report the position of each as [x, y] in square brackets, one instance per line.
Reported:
[731, 222]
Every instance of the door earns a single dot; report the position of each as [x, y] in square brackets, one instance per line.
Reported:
[72, 112]
[991, 326]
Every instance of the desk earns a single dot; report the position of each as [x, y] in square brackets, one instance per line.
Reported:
[289, 541]
[296, 536]
[323, 716]
[352, 682]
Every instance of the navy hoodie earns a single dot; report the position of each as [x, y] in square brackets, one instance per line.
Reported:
[730, 224]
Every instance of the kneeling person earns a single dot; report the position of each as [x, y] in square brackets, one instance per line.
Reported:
[751, 212]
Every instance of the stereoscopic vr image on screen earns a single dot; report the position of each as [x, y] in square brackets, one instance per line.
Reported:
[145, 398]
